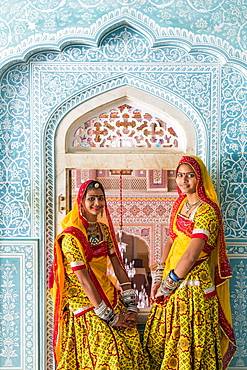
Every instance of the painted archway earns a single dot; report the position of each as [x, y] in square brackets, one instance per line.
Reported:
[57, 159]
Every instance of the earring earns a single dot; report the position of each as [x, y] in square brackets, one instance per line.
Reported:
[82, 211]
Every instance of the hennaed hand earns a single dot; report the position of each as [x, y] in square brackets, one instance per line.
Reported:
[122, 322]
[130, 317]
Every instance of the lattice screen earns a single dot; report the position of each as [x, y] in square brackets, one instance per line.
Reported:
[125, 127]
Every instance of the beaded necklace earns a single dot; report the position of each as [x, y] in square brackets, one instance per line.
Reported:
[93, 233]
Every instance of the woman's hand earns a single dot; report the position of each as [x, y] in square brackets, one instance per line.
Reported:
[126, 320]
[158, 294]
[130, 318]
[154, 290]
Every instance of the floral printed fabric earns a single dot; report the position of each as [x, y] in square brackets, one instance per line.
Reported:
[182, 333]
[87, 342]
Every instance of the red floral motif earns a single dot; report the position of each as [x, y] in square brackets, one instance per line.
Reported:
[145, 232]
[135, 210]
[185, 225]
[148, 210]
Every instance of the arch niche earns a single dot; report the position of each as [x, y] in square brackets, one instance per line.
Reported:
[58, 159]
[122, 158]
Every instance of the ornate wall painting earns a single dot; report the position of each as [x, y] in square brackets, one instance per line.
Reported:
[19, 305]
[220, 26]
[210, 93]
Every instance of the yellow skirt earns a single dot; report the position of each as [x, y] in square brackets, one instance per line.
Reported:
[88, 343]
[183, 332]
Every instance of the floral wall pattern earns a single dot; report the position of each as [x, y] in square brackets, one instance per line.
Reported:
[189, 54]
[234, 151]
[19, 305]
[24, 23]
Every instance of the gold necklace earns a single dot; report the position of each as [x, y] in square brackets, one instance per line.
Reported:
[189, 206]
[92, 223]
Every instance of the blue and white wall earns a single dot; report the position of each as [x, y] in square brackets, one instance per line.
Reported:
[58, 55]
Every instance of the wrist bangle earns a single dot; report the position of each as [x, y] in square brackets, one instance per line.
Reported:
[169, 284]
[133, 309]
[126, 283]
[129, 297]
[173, 276]
[106, 313]
[159, 273]
[114, 320]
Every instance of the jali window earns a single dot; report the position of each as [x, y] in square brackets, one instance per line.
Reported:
[125, 127]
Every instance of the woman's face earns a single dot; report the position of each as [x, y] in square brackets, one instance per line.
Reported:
[186, 179]
[93, 203]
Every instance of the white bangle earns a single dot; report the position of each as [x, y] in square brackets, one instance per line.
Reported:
[127, 283]
[114, 321]
[133, 309]
[106, 313]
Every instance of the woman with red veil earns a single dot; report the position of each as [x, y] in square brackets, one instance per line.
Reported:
[94, 324]
[190, 325]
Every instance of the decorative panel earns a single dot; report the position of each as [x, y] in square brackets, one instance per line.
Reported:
[19, 305]
[15, 153]
[233, 165]
[157, 180]
[218, 25]
[238, 286]
[124, 127]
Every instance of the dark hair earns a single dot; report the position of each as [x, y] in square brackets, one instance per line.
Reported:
[91, 186]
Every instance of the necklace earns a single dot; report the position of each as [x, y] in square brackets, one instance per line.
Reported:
[94, 234]
[92, 223]
[189, 206]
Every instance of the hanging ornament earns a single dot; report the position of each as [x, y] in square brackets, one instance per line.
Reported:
[122, 246]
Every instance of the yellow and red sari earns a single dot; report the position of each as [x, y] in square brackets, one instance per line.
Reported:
[83, 341]
[191, 329]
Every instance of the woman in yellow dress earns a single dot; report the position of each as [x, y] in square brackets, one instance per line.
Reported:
[94, 325]
[189, 326]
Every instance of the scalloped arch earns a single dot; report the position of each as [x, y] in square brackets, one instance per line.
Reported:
[127, 87]
[86, 101]
[92, 35]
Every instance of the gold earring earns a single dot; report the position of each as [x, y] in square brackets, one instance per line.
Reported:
[82, 211]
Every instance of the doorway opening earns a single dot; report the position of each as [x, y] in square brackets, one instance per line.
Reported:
[147, 198]
[136, 261]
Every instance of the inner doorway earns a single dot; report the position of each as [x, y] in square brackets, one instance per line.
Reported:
[147, 197]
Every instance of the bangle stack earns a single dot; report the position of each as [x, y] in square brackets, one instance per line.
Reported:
[106, 313]
[159, 273]
[169, 283]
[129, 300]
